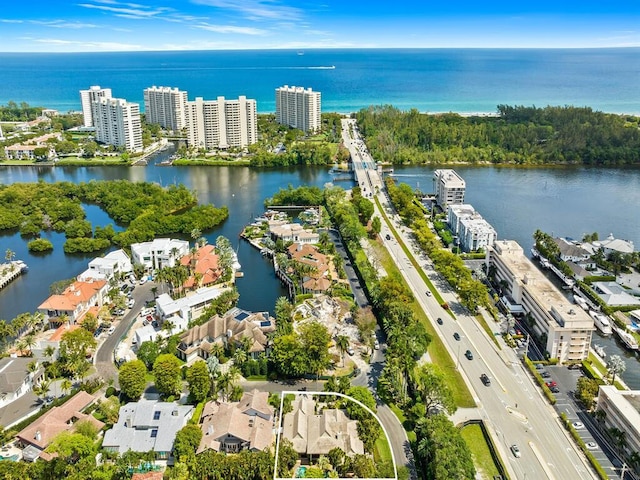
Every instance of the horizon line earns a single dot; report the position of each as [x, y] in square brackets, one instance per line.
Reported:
[325, 48]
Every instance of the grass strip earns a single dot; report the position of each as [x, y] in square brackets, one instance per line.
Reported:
[482, 459]
[487, 328]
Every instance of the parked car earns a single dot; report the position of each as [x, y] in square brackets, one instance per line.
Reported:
[143, 280]
[131, 303]
[485, 379]
[591, 445]
[551, 383]
[456, 335]
[468, 354]
[111, 330]
[350, 350]
[554, 389]
[545, 374]
[516, 451]
[578, 425]
[539, 366]
[376, 344]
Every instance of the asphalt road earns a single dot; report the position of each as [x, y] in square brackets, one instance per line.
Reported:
[104, 360]
[512, 407]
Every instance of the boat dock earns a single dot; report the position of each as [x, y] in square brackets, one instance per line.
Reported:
[10, 271]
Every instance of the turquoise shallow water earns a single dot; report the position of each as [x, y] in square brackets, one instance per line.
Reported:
[434, 80]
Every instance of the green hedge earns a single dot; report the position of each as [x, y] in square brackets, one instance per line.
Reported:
[599, 278]
[197, 413]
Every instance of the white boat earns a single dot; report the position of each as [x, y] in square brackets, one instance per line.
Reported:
[600, 351]
[581, 302]
[626, 338]
[601, 322]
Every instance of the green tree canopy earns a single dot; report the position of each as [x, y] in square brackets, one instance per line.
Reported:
[131, 377]
[166, 370]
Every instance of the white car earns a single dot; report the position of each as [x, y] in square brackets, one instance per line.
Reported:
[131, 303]
[143, 280]
[111, 330]
[516, 451]
[376, 344]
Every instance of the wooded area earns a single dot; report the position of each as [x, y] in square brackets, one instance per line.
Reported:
[517, 135]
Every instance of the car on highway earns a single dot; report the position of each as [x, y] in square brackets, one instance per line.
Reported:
[485, 379]
[439, 320]
[516, 451]
[577, 425]
[428, 292]
[468, 354]
[388, 237]
[456, 335]
[591, 445]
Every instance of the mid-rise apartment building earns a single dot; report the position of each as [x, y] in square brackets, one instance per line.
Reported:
[472, 231]
[87, 97]
[165, 106]
[564, 328]
[117, 123]
[299, 108]
[622, 411]
[222, 123]
[449, 188]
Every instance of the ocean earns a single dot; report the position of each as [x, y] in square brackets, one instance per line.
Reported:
[430, 80]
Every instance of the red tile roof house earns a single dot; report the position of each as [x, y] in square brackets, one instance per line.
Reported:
[74, 302]
[318, 281]
[203, 266]
[36, 437]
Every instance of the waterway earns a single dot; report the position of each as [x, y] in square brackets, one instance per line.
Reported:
[562, 201]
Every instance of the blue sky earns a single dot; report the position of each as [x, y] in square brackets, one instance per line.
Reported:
[115, 25]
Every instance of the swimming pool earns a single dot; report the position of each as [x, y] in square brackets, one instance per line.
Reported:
[301, 471]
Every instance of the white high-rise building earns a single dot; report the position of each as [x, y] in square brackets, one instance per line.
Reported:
[87, 97]
[165, 106]
[449, 188]
[299, 108]
[222, 123]
[117, 123]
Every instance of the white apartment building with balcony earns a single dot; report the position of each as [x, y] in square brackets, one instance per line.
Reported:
[622, 411]
[472, 231]
[222, 123]
[87, 97]
[567, 328]
[299, 108]
[166, 106]
[449, 188]
[117, 123]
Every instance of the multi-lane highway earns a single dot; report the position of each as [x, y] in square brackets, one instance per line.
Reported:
[512, 406]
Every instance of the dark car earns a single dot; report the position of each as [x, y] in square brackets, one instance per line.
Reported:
[439, 321]
[388, 237]
[456, 335]
[545, 374]
[468, 354]
[554, 389]
[485, 379]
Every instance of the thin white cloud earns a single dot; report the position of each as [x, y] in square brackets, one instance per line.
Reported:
[80, 45]
[231, 29]
[63, 24]
[9, 20]
[256, 9]
[128, 10]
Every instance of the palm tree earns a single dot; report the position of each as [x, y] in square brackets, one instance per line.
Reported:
[49, 352]
[42, 389]
[616, 366]
[66, 385]
[342, 343]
